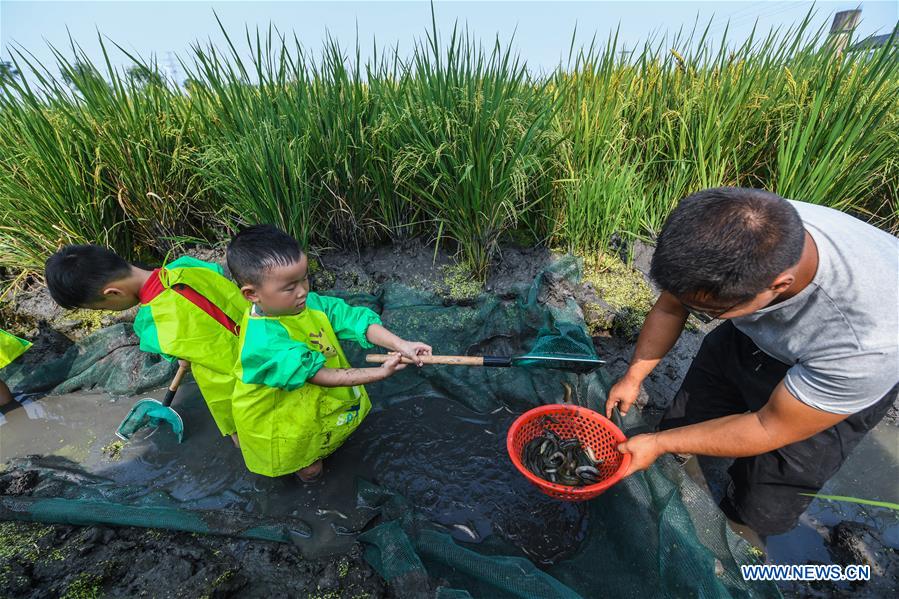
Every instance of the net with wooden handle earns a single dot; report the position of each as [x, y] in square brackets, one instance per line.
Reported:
[448, 360]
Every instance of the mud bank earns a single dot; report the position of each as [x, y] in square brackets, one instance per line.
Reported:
[38, 561]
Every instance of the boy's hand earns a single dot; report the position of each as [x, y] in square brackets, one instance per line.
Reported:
[413, 349]
[392, 364]
[184, 364]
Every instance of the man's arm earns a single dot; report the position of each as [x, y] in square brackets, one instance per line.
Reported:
[783, 420]
[663, 326]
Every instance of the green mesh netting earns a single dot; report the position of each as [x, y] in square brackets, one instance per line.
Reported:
[532, 321]
[90, 513]
[654, 534]
[109, 359]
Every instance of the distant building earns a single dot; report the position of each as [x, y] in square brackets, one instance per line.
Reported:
[874, 42]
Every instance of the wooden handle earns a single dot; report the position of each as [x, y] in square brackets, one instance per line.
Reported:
[176, 382]
[173, 388]
[448, 360]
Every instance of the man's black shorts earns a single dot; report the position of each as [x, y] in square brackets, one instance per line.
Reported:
[731, 375]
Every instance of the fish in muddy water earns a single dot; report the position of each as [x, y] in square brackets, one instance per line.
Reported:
[467, 531]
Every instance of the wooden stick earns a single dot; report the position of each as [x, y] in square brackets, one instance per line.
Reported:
[173, 388]
[176, 382]
[449, 360]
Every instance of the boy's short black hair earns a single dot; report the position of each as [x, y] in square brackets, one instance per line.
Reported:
[77, 274]
[727, 243]
[256, 249]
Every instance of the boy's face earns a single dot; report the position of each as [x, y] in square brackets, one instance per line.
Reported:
[283, 289]
[113, 298]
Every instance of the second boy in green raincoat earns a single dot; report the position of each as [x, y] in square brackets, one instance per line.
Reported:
[188, 311]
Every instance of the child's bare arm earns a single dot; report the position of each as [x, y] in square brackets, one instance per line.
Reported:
[349, 377]
[5, 394]
[380, 336]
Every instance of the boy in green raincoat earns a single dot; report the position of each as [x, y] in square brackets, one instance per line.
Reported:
[188, 311]
[297, 398]
[11, 347]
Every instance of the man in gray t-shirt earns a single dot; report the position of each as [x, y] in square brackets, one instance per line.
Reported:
[807, 362]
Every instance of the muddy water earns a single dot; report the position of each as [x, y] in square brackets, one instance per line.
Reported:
[450, 462]
[871, 471]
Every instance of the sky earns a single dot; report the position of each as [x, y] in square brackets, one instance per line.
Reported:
[542, 30]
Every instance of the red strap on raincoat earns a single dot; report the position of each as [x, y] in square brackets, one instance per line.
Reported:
[153, 287]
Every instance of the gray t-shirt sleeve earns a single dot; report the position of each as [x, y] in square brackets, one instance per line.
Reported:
[844, 384]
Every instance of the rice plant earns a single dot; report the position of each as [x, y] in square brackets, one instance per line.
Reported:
[101, 160]
[833, 145]
[475, 141]
[49, 194]
[457, 143]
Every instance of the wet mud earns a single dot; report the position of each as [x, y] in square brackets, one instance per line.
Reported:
[38, 561]
[450, 462]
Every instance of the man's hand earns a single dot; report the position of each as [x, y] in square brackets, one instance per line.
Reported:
[622, 394]
[413, 349]
[644, 451]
